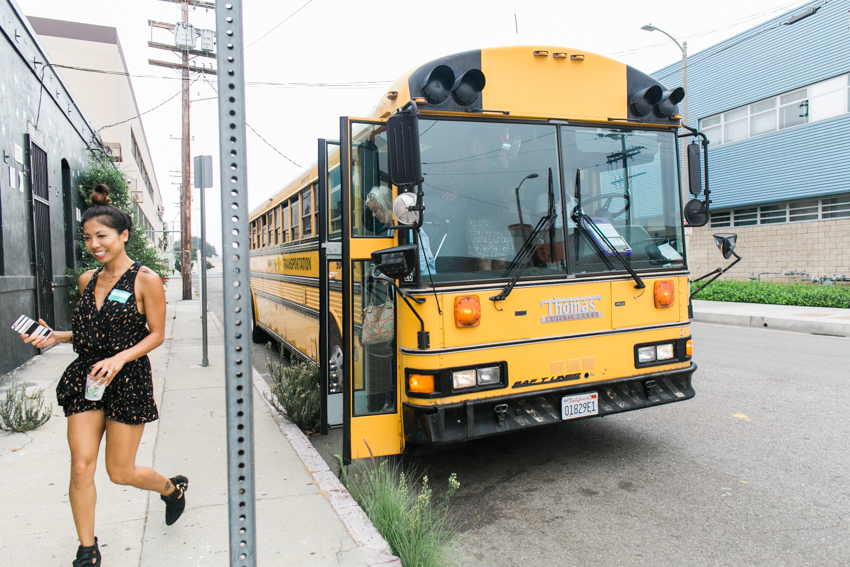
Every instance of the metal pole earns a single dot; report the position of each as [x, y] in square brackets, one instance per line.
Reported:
[237, 292]
[204, 360]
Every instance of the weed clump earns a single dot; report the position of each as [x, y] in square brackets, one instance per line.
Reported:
[404, 510]
[20, 411]
[295, 391]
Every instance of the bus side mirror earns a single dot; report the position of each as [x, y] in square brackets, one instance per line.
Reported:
[726, 241]
[397, 262]
[694, 176]
[696, 213]
[405, 164]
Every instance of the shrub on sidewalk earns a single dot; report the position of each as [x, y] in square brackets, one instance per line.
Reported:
[808, 295]
[295, 391]
[417, 527]
[20, 411]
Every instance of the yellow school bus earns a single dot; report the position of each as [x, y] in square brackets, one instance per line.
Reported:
[498, 246]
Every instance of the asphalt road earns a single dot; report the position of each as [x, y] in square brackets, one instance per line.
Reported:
[753, 471]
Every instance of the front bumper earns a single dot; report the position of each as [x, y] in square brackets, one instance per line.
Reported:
[473, 419]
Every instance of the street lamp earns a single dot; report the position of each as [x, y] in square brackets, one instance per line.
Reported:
[684, 47]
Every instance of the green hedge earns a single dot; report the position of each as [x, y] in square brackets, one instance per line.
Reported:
[809, 295]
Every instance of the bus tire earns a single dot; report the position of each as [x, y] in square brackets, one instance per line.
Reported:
[258, 335]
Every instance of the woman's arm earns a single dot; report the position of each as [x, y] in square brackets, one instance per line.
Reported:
[152, 295]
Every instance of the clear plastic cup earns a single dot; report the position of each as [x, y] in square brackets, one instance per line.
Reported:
[94, 390]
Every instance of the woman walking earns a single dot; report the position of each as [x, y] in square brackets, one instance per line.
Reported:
[118, 320]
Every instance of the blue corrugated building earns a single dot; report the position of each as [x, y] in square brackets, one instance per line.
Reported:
[775, 103]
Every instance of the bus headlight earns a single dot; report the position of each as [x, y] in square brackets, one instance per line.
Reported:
[463, 379]
[664, 352]
[489, 376]
[646, 354]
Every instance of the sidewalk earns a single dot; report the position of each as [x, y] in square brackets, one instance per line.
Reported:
[815, 320]
[304, 516]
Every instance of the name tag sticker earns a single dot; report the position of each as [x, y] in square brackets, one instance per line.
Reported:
[119, 295]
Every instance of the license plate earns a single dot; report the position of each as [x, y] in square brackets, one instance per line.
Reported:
[580, 405]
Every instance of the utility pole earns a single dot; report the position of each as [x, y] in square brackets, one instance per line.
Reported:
[185, 187]
[184, 44]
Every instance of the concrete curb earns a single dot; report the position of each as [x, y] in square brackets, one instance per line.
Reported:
[813, 320]
[355, 520]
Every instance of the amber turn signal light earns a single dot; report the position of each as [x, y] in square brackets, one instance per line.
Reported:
[665, 293]
[420, 383]
[467, 311]
[689, 348]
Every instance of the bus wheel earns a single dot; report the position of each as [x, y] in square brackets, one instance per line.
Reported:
[258, 335]
[335, 367]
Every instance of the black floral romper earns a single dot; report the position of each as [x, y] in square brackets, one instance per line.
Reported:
[101, 334]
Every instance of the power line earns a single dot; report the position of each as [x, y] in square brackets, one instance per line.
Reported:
[284, 156]
[293, 85]
[172, 97]
[280, 24]
[736, 23]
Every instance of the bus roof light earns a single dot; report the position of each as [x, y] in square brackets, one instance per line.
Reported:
[467, 311]
[669, 99]
[468, 87]
[559, 55]
[643, 100]
[541, 53]
[577, 57]
[438, 84]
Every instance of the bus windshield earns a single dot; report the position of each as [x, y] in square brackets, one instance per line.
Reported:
[489, 188]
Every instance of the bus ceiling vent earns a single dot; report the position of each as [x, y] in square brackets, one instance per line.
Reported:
[666, 107]
[441, 82]
[643, 100]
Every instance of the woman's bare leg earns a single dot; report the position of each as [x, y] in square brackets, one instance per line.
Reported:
[85, 430]
[122, 443]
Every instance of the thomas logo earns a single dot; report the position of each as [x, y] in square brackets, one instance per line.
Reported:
[571, 308]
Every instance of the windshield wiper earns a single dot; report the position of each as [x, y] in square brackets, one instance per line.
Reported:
[579, 215]
[521, 258]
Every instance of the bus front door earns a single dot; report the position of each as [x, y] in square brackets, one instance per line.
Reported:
[371, 417]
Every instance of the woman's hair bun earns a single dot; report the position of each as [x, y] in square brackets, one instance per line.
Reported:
[100, 195]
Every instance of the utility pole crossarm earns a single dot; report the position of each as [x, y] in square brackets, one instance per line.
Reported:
[181, 67]
[195, 3]
[163, 25]
[167, 47]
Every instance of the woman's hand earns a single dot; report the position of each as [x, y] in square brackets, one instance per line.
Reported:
[106, 370]
[41, 341]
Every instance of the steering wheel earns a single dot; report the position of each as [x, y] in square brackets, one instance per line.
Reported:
[607, 197]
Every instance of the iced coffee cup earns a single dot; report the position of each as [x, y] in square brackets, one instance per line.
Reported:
[94, 390]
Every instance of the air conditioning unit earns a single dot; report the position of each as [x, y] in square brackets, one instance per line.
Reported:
[114, 149]
[137, 196]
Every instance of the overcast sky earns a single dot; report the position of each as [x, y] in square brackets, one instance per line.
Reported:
[342, 42]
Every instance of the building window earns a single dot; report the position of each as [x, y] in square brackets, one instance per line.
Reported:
[826, 208]
[835, 207]
[818, 101]
[803, 211]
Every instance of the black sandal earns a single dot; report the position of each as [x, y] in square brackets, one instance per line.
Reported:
[87, 556]
[175, 502]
